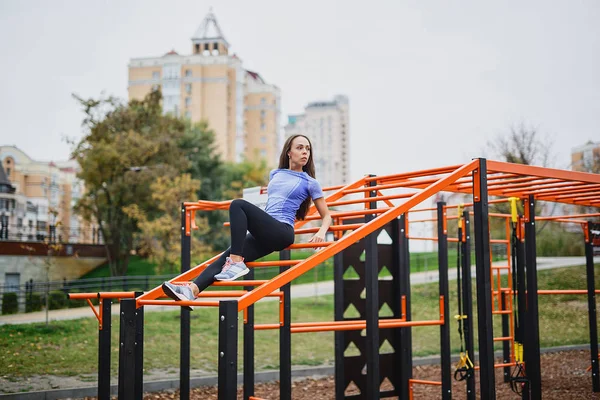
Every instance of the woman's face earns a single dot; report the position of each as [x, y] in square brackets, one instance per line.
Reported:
[299, 152]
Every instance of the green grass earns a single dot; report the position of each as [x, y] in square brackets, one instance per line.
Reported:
[70, 347]
[137, 266]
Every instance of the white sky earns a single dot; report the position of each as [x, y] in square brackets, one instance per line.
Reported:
[429, 82]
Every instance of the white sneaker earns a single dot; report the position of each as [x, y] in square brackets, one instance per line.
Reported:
[232, 270]
[179, 292]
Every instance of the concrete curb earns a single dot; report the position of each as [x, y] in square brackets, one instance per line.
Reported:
[266, 376]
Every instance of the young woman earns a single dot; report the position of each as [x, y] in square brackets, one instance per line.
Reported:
[291, 188]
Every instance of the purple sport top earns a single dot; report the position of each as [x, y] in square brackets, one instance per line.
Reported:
[287, 190]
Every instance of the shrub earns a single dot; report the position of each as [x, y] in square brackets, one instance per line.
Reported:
[57, 300]
[10, 303]
[33, 302]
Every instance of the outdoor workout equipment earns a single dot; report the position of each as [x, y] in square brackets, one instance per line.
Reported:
[479, 178]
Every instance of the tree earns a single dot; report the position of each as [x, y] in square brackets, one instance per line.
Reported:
[126, 148]
[523, 145]
[160, 237]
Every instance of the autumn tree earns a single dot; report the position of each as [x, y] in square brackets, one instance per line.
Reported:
[126, 148]
[160, 237]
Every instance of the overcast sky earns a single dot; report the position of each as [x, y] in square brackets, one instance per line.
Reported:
[429, 82]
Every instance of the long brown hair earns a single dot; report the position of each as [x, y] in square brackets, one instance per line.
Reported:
[309, 168]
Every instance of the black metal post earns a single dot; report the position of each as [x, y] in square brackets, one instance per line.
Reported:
[139, 351]
[249, 345]
[405, 334]
[442, 234]
[184, 345]
[467, 291]
[338, 300]
[532, 331]
[591, 287]
[521, 303]
[104, 351]
[505, 333]
[487, 382]
[228, 348]
[285, 338]
[130, 352]
[372, 307]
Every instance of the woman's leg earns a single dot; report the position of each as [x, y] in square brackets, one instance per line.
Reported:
[253, 250]
[245, 216]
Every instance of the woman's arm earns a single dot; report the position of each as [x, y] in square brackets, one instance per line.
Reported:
[326, 220]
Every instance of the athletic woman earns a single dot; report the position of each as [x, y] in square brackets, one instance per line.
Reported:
[291, 188]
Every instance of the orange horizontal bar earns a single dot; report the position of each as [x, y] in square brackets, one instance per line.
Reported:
[102, 295]
[422, 238]
[415, 174]
[239, 283]
[576, 291]
[423, 382]
[423, 220]
[502, 312]
[568, 216]
[361, 326]
[503, 339]
[276, 263]
[263, 327]
[354, 213]
[178, 303]
[370, 199]
[309, 245]
[333, 228]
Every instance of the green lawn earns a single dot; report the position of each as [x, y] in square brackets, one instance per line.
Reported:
[70, 347]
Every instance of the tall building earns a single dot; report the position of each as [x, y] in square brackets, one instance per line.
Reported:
[211, 84]
[586, 157]
[37, 199]
[327, 125]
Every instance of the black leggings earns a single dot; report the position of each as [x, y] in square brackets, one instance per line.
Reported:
[266, 236]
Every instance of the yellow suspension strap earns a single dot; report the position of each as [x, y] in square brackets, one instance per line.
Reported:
[464, 366]
[518, 377]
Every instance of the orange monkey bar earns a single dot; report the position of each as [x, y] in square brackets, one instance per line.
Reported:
[100, 296]
[412, 382]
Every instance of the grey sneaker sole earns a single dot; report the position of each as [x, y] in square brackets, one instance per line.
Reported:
[176, 296]
[233, 278]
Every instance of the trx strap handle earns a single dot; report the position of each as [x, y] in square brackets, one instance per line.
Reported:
[464, 366]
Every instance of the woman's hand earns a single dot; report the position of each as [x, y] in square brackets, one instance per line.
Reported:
[318, 238]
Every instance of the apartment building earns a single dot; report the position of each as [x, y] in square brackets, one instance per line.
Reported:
[37, 199]
[327, 125]
[586, 157]
[211, 84]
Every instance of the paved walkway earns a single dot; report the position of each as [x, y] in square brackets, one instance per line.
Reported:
[298, 291]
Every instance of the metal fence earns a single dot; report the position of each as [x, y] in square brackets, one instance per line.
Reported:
[26, 291]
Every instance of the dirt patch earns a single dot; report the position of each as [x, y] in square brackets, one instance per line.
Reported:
[564, 376]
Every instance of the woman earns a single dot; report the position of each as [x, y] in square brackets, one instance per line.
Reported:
[290, 190]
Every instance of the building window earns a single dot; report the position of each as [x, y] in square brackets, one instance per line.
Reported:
[188, 73]
[155, 75]
[188, 88]
[19, 222]
[262, 126]
[263, 153]
[263, 100]
[8, 172]
[262, 113]
[188, 101]
[263, 139]
[188, 115]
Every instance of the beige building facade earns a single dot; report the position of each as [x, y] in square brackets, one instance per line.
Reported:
[211, 84]
[37, 199]
[586, 157]
[327, 125]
